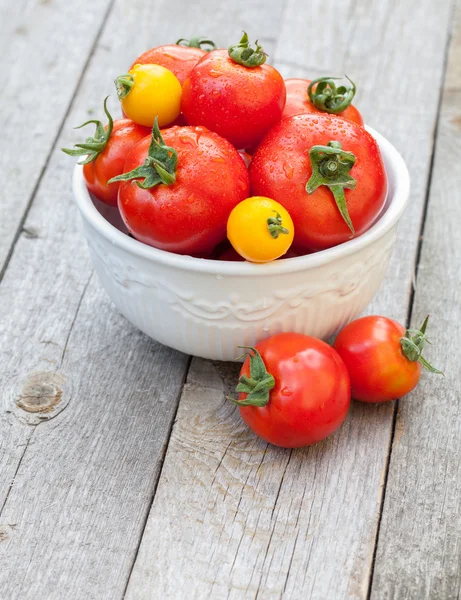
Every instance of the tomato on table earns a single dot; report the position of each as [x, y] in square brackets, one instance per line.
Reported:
[298, 100]
[260, 229]
[180, 188]
[105, 154]
[148, 92]
[327, 172]
[383, 359]
[179, 58]
[293, 390]
[234, 93]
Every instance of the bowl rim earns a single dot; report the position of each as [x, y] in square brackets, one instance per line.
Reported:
[398, 172]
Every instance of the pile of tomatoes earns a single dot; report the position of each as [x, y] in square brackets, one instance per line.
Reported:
[219, 157]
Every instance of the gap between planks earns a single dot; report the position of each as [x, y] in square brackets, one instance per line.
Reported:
[54, 142]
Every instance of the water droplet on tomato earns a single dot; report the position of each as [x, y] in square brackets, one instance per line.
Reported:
[218, 159]
[242, 184]
[288, 170]
[189, 140]
[214, 73]
[191, 199]
[296, 359]
[286, 391]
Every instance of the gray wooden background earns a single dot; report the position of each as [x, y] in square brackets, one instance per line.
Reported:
[123, 470]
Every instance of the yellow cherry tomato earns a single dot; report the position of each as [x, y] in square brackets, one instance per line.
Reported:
[149, 91]
[260, 229]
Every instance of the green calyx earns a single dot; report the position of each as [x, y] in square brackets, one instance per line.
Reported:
[330, 167]
[258, 385]
[124, 85]
[93, 146]
[159, 166]
[197, 42]
[330, 98]
[275, 226]
[243, 54]
[412, 344]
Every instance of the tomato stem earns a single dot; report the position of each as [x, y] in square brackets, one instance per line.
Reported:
[159, 165]
[124, 85]
[197, 42]
[93, 146]
[258, 385]
[328, 97]
[330, 167]
[275, 226]
[412, 344]
[243, 54]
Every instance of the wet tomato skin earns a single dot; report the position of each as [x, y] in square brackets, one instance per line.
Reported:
[189, 216]
[180, 60]
[311, 396]
[379, 370]
[281, 167]
[110, 162]
[298, 102]
[238, 102]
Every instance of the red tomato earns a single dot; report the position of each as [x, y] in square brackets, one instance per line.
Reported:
[188, 201]
[384, 362]
[230, 255]
[298, 102]
[239, 102]
[304, 395]
[180, 60]
[327, 214]
[107, 160]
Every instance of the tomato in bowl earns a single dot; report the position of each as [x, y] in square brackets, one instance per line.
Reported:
[209, 307]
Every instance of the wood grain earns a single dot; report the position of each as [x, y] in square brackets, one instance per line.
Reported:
[43, 49]
[86, 401]
[419, 550]
[233, 517]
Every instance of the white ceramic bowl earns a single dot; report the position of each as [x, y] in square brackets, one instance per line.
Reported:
[208, 308]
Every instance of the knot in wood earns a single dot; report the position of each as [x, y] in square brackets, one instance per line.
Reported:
[41, 392]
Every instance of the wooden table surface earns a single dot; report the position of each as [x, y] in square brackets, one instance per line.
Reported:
[124, 472]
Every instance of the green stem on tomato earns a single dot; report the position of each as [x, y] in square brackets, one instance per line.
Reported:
[124, 84]
[197, 42]
[93, 146]
[258, 385]
[330, 167]
[275, 226]
[329, 98]
[159, 165]
[412, 344]
[243, 54]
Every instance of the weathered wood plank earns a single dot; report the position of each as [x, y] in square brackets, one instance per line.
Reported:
[77, 505]
[43, 48]
[232, 517]
[419, 550]
[76, 487]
